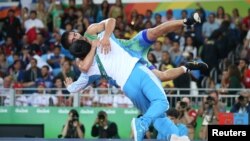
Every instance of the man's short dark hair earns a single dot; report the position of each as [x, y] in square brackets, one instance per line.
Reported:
[173, 113]
[33, 11]
[64, 40]
[80, 48]
[46, 66]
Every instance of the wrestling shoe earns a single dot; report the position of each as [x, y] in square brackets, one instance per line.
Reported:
[178, 138]
[139, 130]
[196, 66]
[195, 18]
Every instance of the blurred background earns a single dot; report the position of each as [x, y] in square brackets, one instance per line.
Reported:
[33, 66]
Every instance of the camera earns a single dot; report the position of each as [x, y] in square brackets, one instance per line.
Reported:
[210, 100]
[183, 105]
[74, 118]
[101, 117]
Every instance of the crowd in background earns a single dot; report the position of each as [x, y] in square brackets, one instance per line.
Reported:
[31, 56]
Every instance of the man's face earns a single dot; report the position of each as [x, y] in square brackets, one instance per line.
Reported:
[44, 71]
[73, 36]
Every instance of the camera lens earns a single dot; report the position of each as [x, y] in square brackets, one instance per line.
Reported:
[101, 117]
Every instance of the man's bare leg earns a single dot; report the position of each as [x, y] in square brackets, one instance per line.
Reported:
[166, 27]
[169, 74]
[171, 26]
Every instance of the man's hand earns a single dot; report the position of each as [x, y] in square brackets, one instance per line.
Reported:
[105, 45]
[76, 124]
[95, 44]
[68, 81]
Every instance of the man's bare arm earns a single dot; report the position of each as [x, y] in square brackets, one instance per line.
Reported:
[108, 26]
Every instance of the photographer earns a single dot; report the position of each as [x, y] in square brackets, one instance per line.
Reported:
[209, 110]
[187, 116]
[73, 128]
[103, 128]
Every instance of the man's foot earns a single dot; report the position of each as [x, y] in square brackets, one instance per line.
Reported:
[195, 18]
[138, 129]
[196, 66]
[179, 138]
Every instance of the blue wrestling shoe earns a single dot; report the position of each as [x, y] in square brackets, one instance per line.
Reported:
[139, 129]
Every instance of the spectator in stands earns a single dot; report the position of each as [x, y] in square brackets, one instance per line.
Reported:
[243, 66]
[157, 19]
[104, 96]
[64, 99]
[157, 50]
[169, 15]
[90, 10]
[236, 18]
[209, 26]
[81, 22]
[56, 12]
[54, 58]
[39, 98]
[103, 128]
[8, 47]
[45, 77]
[24, 15]
[20, 99]
[16, 71]
[131, 32]
[66, 70]
[187, 116]
[234, 78]
[103, 12]
[176, 53]
[25, 56]
[242, 105]
[73, 128]
[117, 10]
[31, 75]
[245, 22]
[87, 97]
[167, 43]
[42, 13]
[167, 84]
[3, 64]
[220, 15]
[121, 100]
[148, 16]
[68, 17]
[184, 14]
[6, 90]
[39, 46]
[33, 26]
[209, 53]
[12, 27]
[152, 59]
[189, 47]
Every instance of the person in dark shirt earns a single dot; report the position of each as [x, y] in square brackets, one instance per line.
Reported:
[73, 127]
[103, 128]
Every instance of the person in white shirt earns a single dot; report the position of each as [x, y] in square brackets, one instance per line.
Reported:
[33, 21]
